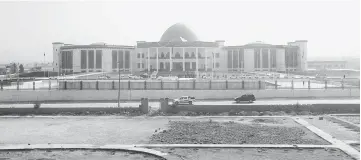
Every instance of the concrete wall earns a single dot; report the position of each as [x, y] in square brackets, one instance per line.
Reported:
[111, 95]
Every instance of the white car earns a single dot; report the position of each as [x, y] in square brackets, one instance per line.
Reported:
[184, 100]
[131, 76]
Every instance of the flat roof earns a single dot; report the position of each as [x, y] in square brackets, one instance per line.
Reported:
[97, 46]
[177, 44]
[260, 46]
[326, 61]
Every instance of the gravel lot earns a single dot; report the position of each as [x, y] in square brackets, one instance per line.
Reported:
[242, 131]
[257, 154]
[74, 155]
[352, 119]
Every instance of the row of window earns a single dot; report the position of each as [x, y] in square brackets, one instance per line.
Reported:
[87, 59]
[120, 59]
[161, 65]
[177, 55]
[235, 58]
[327, 66]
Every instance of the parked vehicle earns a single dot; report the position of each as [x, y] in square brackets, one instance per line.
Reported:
[103, 77]
[184, 100]
[245, 98]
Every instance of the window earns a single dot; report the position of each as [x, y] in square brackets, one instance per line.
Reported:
[217, 65]
[142, 55]
[114, 58]
[98, 55]
[142, 65]
[177, 55]
[121, 58]
[235, 59]
[186, 55]
[217, 55]
[91, 59]
[162, 55]
[127, 59]
[138, 55]
[83, 58]
[56, 49]
[193, 55]
[229, 62]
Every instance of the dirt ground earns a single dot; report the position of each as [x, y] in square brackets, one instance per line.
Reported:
[256, 154]
[236, 131]
[78, 130]
[352, 119]
[336, 129]
[75, 155]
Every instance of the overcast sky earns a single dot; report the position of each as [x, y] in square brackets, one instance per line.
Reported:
[27, 29]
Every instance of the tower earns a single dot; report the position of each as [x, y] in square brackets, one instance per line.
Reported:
[57, 56]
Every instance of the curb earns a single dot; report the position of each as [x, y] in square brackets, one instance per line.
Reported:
[17, 147]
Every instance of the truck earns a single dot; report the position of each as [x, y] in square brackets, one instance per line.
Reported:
[184, 100]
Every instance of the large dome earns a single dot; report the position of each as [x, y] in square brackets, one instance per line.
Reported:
[178, 32]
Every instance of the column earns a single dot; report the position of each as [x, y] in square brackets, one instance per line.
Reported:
[232, 59]
[239, 57]
[261, 57]
[157, 61]
[206, 59]
[269, 60]
[170, 59]
[130, 64]
[148, 59]
[183, 60]
[197, 60]
[87, 60]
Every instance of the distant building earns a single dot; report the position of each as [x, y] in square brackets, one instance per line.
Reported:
[322, 65]
[179, 50]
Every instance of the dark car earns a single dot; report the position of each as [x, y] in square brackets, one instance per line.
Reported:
[245, 98]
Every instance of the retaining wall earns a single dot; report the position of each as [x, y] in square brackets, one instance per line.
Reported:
[313, 108]
[112, 95]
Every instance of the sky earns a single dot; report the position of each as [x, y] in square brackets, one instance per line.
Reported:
[27, 29]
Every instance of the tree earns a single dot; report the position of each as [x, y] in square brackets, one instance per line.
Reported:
[13, 68]
[21, 68]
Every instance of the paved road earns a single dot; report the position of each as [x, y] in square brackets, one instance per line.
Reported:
[157, 104]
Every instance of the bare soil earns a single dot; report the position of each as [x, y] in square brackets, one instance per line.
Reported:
[239, 131]
[352, 119]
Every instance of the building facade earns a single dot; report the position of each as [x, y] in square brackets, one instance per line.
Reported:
[179, 50]
[322, 65]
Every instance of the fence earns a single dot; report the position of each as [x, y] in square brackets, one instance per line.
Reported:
[181, 84]
[161, 85]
